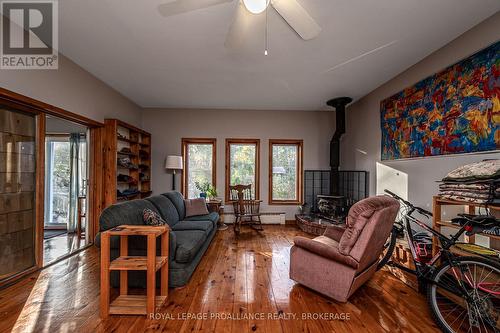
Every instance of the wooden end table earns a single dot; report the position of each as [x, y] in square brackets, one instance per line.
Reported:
[215, 205]
[134, 304]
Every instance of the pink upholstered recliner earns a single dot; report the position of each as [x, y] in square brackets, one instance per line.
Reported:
[340, 261]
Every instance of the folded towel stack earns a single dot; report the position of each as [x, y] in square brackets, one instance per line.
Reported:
[476, 183]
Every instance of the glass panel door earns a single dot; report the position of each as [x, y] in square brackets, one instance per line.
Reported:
[17, 191]
[66, 170]
[57, 182]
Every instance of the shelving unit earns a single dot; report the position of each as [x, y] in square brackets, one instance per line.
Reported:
[127, 143]
[469, 208]
[126, 304]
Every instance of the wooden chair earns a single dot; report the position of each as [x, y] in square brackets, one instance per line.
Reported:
[246, 209]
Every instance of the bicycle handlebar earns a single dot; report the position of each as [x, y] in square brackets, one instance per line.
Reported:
[409, 204]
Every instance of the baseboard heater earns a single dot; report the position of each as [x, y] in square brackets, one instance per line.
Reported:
[266, 218]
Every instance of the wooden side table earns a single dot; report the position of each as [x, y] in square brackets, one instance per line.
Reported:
[134, 304]
[216, 206]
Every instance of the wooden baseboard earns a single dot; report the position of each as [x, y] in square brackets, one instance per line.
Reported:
[290, 222]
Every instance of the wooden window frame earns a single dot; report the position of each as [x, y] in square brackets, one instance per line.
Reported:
[300, 171]
[185, 142]
[230, 142]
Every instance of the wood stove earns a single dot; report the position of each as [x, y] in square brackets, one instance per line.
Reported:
[330, 194]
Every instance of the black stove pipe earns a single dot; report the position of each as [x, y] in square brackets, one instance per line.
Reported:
[339, 104]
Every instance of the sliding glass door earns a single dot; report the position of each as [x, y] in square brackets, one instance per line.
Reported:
[65, 180]
[17, 192]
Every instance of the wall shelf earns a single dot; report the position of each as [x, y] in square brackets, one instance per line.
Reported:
[469, 208]
[137, 145]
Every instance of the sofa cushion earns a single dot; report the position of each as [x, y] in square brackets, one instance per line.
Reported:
[213, 216]
[129, 212]
[188, 244]
[205, 226]
[166, 208]
[178, 201]
[195, 207]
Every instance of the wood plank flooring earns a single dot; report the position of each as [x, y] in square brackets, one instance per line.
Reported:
[56, 247]
[241, 277]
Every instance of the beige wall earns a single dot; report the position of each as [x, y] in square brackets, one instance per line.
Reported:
[72, 88]
[361, 145]
[169, 126]
[76, 90]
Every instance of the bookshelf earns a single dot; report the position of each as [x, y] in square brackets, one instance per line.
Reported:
[470, 208]
[127, 162]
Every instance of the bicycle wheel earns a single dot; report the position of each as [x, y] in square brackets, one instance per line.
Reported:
[465, 297]
[388, 248]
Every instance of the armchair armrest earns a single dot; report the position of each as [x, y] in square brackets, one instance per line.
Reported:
[334, 232]
[324, 250]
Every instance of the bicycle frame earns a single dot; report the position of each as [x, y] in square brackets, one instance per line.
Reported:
[463, 285]
[423, 268]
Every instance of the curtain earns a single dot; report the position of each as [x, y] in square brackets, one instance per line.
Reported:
[74, 186]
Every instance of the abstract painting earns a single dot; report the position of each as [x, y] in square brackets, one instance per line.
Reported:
[451, 112]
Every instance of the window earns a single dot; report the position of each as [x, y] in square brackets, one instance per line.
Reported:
[199, 157]
[285, 172]
[242, 164]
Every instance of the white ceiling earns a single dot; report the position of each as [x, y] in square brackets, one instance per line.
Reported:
[181, 62]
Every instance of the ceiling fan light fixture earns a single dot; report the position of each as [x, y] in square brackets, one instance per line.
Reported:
[256, 6]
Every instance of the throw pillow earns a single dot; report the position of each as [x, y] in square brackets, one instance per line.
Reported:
[195, 207]
[152, 218]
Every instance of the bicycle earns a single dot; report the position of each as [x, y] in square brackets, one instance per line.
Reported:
[463, 292]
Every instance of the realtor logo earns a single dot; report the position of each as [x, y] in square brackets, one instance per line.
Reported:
[29, 34]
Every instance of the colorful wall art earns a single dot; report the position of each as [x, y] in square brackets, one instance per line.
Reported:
[454, 111]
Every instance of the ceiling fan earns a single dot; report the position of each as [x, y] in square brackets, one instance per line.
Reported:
[250, 13]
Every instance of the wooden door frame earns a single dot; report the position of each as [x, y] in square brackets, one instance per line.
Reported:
[22, 103]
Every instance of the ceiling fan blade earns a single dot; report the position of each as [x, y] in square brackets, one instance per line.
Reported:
[297, 17]
[183, 6]
[242, 24]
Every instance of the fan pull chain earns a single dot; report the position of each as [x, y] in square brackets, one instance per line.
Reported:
[265, 51]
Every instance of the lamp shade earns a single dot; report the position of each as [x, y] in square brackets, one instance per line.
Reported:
[174, 162]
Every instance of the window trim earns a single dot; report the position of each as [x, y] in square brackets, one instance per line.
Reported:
[231, 141]
[185, 142]
[300, 171]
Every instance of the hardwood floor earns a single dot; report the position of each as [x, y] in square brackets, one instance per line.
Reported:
[56, 247]
[241, 277]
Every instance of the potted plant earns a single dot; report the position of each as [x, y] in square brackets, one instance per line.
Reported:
[206, 190]
[212, 192]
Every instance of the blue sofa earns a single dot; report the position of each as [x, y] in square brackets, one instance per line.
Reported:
[189, 237]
